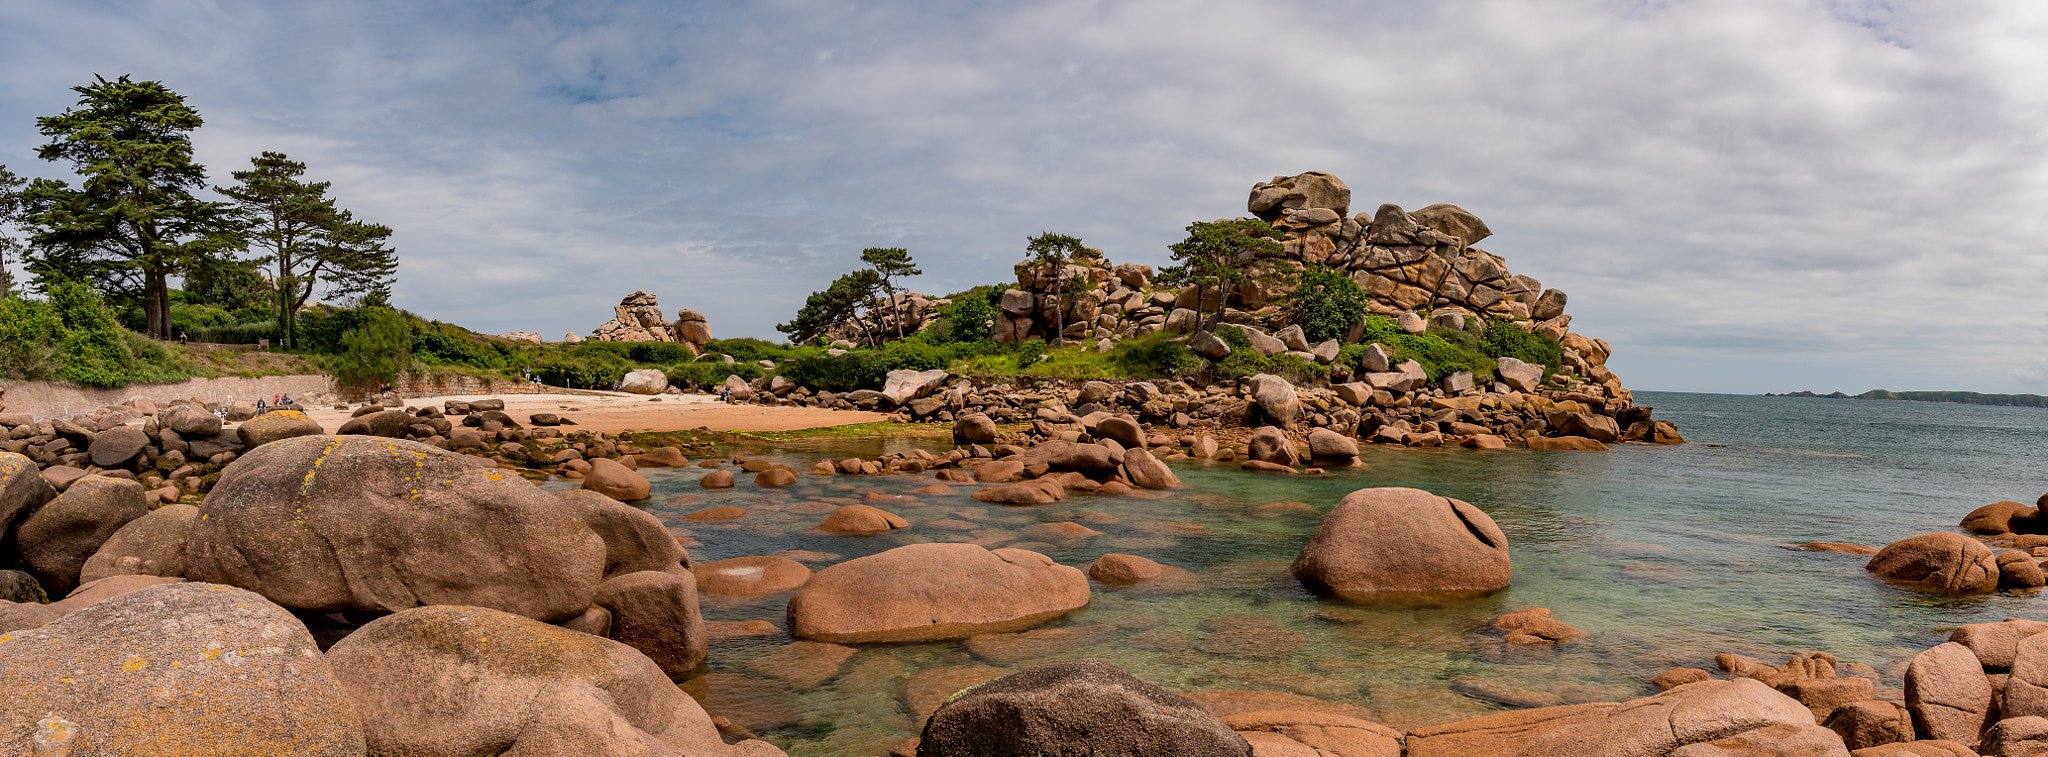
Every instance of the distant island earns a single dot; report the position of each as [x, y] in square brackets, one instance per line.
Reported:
[1963, 398]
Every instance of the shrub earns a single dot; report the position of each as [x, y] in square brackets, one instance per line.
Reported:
[95, 348]
[595, 369]
[1505, 339]
[706, 374]
[376, 351]
[437, 342]
[1326, 303]
[969, 318]
[749, 350]
[239, 333]
[1245, 361]
[661, 353]
[29, 335]
[1155, 356]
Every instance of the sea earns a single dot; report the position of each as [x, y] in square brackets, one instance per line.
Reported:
[1665, 555]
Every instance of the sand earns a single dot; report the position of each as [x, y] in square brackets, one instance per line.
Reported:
[612, 412]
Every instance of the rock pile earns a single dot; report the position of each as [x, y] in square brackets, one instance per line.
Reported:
[638, 318]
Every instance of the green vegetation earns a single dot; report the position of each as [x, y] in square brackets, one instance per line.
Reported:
[1057, 250]
[853, 299]
[308, 239]
[375, 351]
[74, 336]
[1211, 258]
[1326, 303]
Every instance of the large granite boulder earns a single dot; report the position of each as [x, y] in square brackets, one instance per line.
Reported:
[617, 481]
[1148, 472]
[389, 424]
[656, 612]
[923, 592]
[1948, 695]
[1518, 375]
[1943, 562]
[902, 386]
[1077, 707]
[1276, 400]
[644, 381]
[337, 523]
[152, 545]
[1324, 444]
[2026, 690]
[1452, 220]
[173, 670]
[191, 420]
[634, 540]
[276, 425]
[974, 428]
[470, 681]
[1687, 721]
[1304, 732]
[115, 447]
[1388, 542]
[58, 539]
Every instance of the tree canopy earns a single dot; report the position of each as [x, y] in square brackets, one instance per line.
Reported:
[1056, 250]
[10, 214]
[305, 238]
[133, 222]
[1215, 254]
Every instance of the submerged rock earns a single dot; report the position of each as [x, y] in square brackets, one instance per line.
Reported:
[1077, 707]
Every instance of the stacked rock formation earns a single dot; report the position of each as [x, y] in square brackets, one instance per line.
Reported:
[910, 310]
[639, 319]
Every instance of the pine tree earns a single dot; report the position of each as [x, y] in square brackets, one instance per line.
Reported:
[888, 263]
[1056, 250]
[307, 239]
[133, 222]
[1214, 255]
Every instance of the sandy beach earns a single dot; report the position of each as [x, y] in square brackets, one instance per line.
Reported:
[612, 412]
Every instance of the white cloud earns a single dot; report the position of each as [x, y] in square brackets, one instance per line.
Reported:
[1737, 194]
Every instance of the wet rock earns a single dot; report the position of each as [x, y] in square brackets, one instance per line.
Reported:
[1536, 624]
[1676, 677]
[717, 514]
[775, 477]
[1123, 569]
[924, 592]
[2017, 570]
[1943, 562]
[1947, 693]
[1078, 707]
[1037, 643]
[1253, 643]
[1847, 549]
[616, 481]
[1033, 492]
[1147, 472]
[744, 577]
[1271, 445]
[1483, 441]
[56, 541]
[152, 545]
[1324, 444]
[718, 479]
[1391, 541]
[337, 523]
[861, 520]
[468, 680]
[1998, 517]
[1122, 430]
[1566, 443]
[662, 457]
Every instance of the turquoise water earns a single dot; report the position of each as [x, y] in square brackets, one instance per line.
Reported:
[1666, 555]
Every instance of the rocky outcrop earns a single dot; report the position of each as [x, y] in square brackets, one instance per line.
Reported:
[638, 318]
[1944, 562]
[924, 592]
[1707, 718]
[1388, 542]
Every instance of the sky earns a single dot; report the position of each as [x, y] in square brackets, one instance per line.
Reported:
[1738, 195]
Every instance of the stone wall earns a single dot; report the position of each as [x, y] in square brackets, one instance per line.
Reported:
[54, 399]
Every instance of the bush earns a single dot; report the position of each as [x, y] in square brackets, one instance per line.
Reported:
[749, 350]
[970, 317]
[29, 336]
[1326, 303]
[1155, 356]
[865, 369]
[707, 374]
[1244, 361]
[659, 353]
[239, 333]
[1505, 339]
[435, 342]
[376, 351]
[189, 318]
[595, 369]
[95, 349]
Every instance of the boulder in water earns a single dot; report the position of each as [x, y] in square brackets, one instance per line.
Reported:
[1387, 542]
[1943, 562]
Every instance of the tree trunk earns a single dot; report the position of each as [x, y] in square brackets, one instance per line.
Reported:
[156, 303]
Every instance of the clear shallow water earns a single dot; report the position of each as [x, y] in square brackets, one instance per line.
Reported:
[1667, 555]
